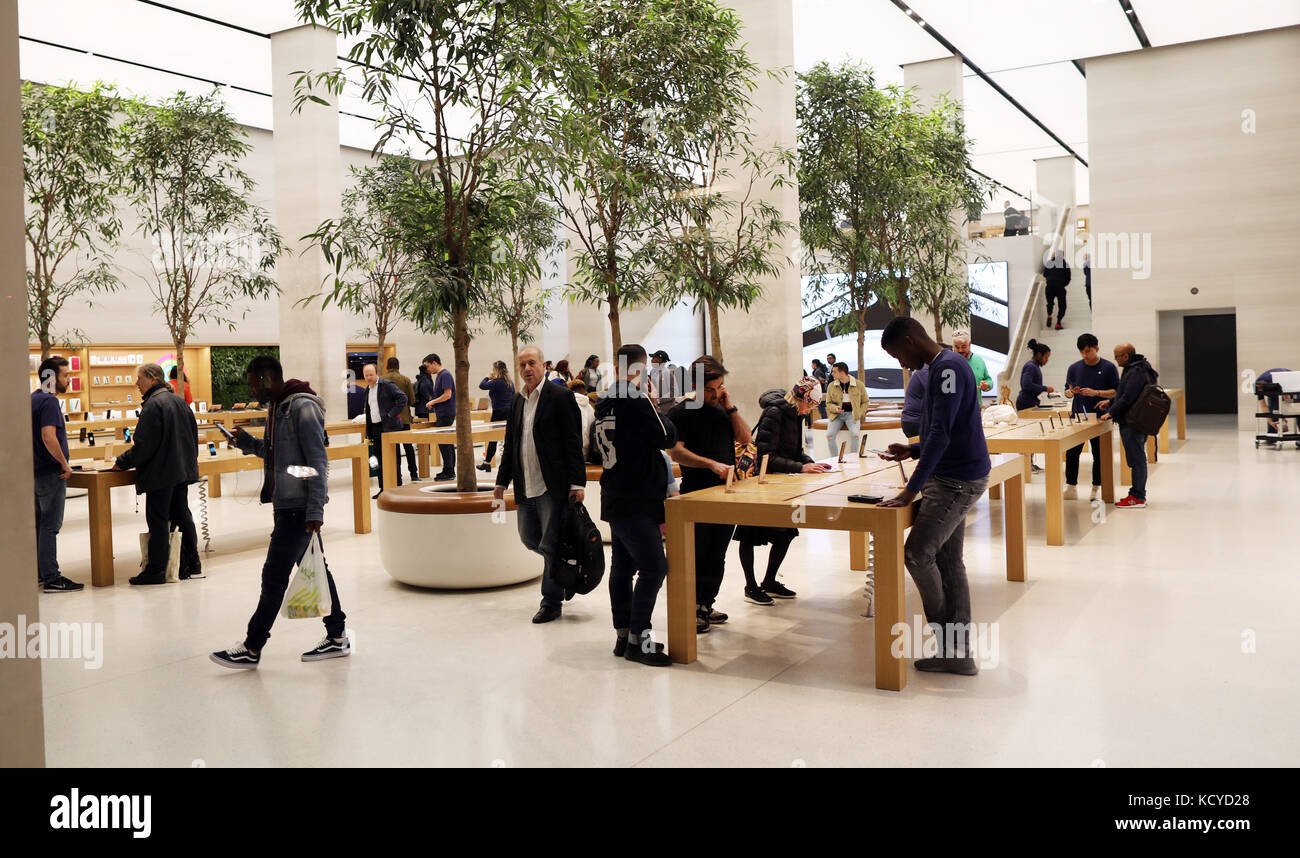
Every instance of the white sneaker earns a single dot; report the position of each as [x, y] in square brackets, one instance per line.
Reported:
[1096, 493]
[1071, 492]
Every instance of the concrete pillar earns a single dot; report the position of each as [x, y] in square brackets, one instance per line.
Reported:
[763, 347]
[933, 78]
[22, 738]
[1054, 184]
[308, 175]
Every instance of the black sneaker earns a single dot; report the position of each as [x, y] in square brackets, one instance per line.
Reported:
[142, 579]
[329, 648]
[716, 618]
[485, 467]
[645, 651]
[193, 574]
[701, 621]
[620, 647]
[756, 596]
[941, 664]
[777, 590]
[443, 477]
[61, 585]
[237, 658]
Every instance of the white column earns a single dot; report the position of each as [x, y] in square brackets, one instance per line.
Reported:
[1054, 186]
[22, 737]
[762, 348]
[933, 78]
[308, 176]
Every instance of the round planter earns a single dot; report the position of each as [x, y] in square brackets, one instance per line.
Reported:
[435, 536]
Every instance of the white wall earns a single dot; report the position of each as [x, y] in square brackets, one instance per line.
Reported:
[1174, 157]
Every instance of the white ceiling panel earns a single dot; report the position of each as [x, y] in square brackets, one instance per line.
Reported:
[873, 31]
[1169, 22]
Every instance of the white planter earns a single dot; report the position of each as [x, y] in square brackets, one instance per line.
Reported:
[424, 542]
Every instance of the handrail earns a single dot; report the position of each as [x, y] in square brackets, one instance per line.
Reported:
[1033, 300]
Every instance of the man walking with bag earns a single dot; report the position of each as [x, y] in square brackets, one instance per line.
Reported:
[294, 474]
[542, 456]
[165, 456]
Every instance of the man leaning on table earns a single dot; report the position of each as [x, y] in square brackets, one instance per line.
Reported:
[51, 470]
[1136, 373]
[954, 470]
[165, 455]
[542, 456]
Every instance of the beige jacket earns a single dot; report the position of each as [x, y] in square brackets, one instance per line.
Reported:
[858, 397]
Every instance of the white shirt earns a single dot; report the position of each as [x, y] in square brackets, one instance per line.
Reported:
[372, 403]
[588, 415]
[534, 482]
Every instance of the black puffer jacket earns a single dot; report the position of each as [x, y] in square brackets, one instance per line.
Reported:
[165, 447]
[779, 434]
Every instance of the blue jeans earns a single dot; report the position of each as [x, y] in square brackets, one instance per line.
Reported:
[289, 540]
[537, 518]
[1135, 448]
[638, 552]
[933, 551]
[842, 421]
[51, 493]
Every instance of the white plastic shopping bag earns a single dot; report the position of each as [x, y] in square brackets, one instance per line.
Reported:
[309, 591]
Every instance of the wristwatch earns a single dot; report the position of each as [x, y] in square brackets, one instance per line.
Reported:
[732, 410]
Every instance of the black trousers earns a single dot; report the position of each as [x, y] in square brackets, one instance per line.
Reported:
[711, 541]
[1072, 463]
[163, 509]
[498, 414]
[289, 539]
[447, 451]
[1057, 292]
[375, 431]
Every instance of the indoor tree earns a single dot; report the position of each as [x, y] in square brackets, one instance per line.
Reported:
[474, 88]
[372, 268]
[71, 175]
[213, 249]
[634, 95]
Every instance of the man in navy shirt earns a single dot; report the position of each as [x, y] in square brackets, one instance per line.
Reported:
[443, 408]
[954, 471]
[1087, 382]
[51, 470]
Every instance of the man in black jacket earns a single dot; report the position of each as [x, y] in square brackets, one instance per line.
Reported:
[1057, 274]
[1136, 373]
[542, 456]
[385, 405]
[165, 456]
[632, 438]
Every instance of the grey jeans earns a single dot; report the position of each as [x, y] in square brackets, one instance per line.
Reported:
[933, 551]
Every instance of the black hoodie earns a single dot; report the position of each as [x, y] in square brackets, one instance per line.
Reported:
[631, 436]
[1137, 374]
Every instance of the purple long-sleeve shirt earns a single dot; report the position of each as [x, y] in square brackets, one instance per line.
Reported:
[914, 397]
[954, 443]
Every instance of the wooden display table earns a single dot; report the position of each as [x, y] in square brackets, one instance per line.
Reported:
[99, 479]
[872, 420]
[820, 501]
[1178, 409]
[1038, 437]
[426, 442]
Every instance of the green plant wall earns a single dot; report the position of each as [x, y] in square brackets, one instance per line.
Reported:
[229, 384]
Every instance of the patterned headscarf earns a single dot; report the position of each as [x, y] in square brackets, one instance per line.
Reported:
[808, 389]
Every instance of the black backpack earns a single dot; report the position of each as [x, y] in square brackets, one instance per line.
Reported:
[579, 554]
[1148, 413]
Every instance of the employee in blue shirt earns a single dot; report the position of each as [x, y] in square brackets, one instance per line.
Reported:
[51, 471]
[953, 468]
[1087, 382]
[1031, 376]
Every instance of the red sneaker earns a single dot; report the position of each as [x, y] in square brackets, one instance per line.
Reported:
[1060, 327]
[1131, 502]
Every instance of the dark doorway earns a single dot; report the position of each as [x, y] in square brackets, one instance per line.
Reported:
[1210, 355]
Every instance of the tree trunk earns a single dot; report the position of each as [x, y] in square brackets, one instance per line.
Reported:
[862, 344]
[179, 344]
[45, 344]
[615, 331]
[938, 328]
[715, 334]
[514, 351]
[466, 476]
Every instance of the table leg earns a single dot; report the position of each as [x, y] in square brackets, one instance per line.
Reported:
[1055, 494]
[680, 536]
[1013, 511]
[1182, 418]
[1151, 449]
[890, 605]
[995, 492]
[360, 493]
[1164, 436]
[859, 550]
[214, 485]
[1108, 466]
[387, 462]
[101, 534]
[422, 456]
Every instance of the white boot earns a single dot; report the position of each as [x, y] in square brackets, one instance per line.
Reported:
[1096, 492]
[1071, 492]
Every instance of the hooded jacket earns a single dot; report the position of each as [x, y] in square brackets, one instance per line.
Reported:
[779, 434]
[630, 435]
[165, 447]
[1137, 374]
[296, 429]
